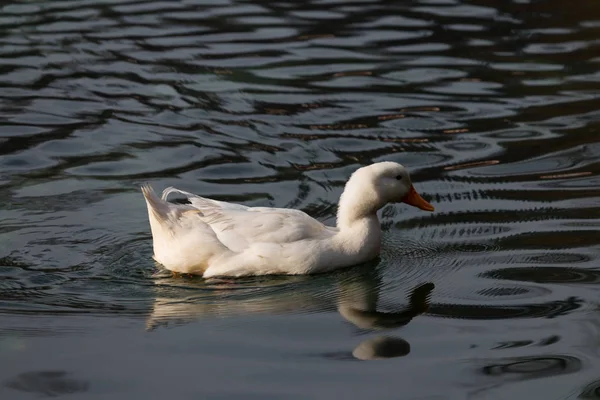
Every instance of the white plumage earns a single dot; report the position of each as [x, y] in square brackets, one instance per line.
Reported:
[215, 238]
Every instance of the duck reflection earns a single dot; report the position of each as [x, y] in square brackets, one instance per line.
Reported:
[354, 294]
[360, 308]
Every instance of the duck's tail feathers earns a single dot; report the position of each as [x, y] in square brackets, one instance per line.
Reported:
[157, 208]
[162, 214]
[182, 241]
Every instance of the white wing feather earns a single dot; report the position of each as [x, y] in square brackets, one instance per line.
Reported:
[238, 226]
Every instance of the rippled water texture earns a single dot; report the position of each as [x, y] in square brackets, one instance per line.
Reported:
[493, 105]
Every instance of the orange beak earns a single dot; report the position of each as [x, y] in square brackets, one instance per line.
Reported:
[414, 199]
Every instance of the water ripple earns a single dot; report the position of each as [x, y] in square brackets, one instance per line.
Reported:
[494, 108]
[292, 99]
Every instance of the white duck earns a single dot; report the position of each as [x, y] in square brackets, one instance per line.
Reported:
[214, 238]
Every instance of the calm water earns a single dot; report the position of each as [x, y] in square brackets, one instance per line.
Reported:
[493, 105]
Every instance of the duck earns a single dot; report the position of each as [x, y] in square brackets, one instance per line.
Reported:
[218, 239]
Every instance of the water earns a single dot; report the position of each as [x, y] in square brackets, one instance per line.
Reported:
[494, 107]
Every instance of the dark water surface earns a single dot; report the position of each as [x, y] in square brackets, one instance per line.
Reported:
[493, 105]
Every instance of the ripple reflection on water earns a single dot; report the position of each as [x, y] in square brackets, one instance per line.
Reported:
[493, 107]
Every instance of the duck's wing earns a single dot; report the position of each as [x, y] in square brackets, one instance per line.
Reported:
[239, 226]
[267, 225]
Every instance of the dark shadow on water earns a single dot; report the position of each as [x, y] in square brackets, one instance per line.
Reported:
[48, 383]
[546, 275]
[499, 372]
[591, 391]
[533, 367]
[552, 309]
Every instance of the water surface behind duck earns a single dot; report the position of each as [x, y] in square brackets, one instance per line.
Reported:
[494, 107]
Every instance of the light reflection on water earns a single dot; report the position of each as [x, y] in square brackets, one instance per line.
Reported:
[493, 107]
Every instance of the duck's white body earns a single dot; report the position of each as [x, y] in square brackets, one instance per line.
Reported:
[215, 238]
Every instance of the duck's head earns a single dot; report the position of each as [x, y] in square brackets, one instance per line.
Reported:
[390, 183]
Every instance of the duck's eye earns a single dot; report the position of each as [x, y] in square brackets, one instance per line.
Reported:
[399, 178]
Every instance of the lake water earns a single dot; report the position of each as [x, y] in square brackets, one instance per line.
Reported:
[494, 106]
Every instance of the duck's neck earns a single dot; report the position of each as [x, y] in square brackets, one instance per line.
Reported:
[357, 209]
[359, 236]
